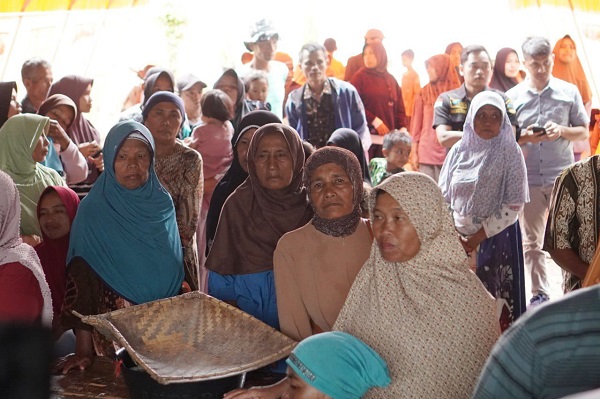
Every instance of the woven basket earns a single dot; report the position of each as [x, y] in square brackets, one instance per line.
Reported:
[192, 337]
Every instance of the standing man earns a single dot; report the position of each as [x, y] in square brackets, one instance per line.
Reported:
[450, 109]
[324, 104]
[356, 61]
[552, 116]
[335, 68]
[36, 74]
[263, 43]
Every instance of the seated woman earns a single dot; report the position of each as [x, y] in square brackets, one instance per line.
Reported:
[9, 105]
[238, 171]
[350, 140]
[484, 182]
[415, 301]
[23, 145]
[24, 293]
[270, 203]
[125, 247]
[65, 158]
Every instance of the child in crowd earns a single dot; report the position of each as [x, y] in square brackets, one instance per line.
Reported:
[257, 87]
[396, 150]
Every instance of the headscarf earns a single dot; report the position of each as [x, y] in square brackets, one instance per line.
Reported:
[571, 72]
[18, 138]
[241, 107]
[151, 79]
[129, 237]
[53, 252]
[349, 139]
[447, 78]
[81, 130]
[52, 159]
[254, 218]
[479, 175]
[429, 318]
[456, 67]
[12, 248]
[164, 97]
[499, 79]
[235, 175]
[339, 365]
[6, 89]
[380, 55]
[344, 225]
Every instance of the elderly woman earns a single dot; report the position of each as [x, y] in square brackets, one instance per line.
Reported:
[415, 301]
[63, 154]
[23, 145]
[82, 132]
[270, 203]
[484, 182]
[238, 171]
[179, 170]
[127, 208]
[24, 293]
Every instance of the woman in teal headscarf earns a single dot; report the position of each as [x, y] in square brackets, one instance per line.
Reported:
[23, 145]
[125, 247]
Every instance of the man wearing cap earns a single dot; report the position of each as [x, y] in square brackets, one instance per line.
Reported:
[190, 89]
[356, 61]
[335, 68]
[263, 43]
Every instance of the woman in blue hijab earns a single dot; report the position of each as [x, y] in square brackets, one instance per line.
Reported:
[125, 247]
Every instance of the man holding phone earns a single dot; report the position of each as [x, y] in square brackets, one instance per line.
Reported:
[552, 115]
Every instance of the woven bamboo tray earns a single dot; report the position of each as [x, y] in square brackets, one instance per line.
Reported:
[192, 337]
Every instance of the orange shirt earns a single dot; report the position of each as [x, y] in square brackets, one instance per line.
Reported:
[411, 86]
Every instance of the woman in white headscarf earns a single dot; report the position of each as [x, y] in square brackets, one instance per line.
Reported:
[415, 301]
[484, 182]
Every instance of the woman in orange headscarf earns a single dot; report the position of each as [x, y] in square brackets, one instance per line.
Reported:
[568, 67]
[428, 155]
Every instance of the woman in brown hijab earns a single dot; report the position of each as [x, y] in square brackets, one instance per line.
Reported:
[270, 203]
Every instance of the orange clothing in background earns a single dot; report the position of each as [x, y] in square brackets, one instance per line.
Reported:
[571, 72]
[411, 86]
[335, 69]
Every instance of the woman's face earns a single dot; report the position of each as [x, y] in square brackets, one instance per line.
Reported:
[567, 52]
[433, 75]
[162, 83]
[14, 108]
[369, 57]
[487, 122]
[41, 149]
[229, 85]
[396, 236]
[54, 219]
[164, 121]
[132, 164]
[242, 147]
[455, 52]
[85, 101]
[273, 161]
[299, 389]
[512, 65]
[63, 114]
[331, 191]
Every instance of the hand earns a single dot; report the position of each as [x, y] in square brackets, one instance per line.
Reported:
[98, 162]
[414, 161]
[553, 130]
[57, 133]
[466, 247]
[70, 362]
[529, 136]
[472, 242]
[382, 129]
[88, 149]
[32, 240]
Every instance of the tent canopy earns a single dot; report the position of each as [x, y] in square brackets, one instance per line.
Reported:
[57, 5]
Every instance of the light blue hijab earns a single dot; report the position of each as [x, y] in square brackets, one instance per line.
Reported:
[129, 237]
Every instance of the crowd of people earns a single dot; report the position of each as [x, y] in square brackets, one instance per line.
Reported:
[388, 228]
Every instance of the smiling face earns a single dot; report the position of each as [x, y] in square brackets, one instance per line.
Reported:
[396, 236]
[487, 122]
[132, 164]
[331, 191]
[273, 162]
[54, 219]
[41, 149]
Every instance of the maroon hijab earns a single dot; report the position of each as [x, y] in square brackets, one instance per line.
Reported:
[53, 253]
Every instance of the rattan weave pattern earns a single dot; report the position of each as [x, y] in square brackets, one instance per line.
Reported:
[192, 337]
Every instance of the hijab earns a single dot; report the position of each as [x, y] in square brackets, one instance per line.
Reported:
[571, 72]
[429, 318]
[6, 89]
[52, 159]
[241, 107]
[235, 175]
[339, 365]
[345, 225]
[348, 139]
[81, 130]
[380, 55]
[499, 79]
[18, 138]
[129, 237]
[150, 81]
[12, 248]
[447, 78]
[53, 252]
[479, 175]
[456, 67]
[254, 218]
